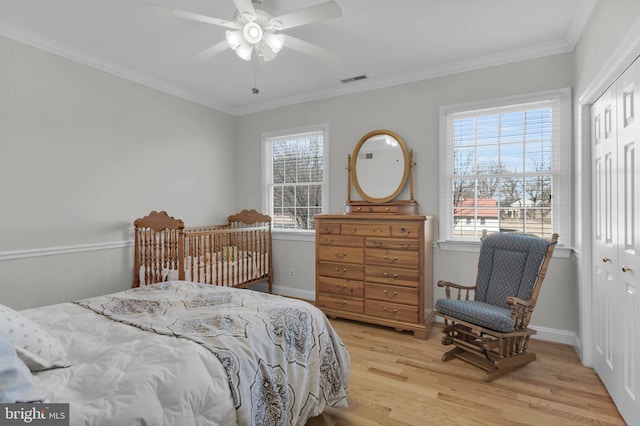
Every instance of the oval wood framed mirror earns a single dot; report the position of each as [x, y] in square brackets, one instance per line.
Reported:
[379, 166]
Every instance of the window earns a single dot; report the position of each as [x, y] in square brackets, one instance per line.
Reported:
[295, 181]
[506, 167]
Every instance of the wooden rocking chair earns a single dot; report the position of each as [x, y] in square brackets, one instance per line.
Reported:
[491, 331]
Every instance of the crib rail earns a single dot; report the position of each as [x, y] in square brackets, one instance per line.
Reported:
[158, 248]
[237, 254]
[232, 257]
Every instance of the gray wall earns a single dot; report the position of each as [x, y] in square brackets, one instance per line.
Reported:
[82, 154]
[412, 111]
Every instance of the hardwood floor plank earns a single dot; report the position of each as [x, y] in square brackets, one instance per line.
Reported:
[397, 380]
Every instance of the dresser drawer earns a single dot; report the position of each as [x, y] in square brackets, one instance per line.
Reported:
[340, 240]
[395, 244]
[392, 293]
[341, 254]
[391, 311]
[323, 227]
[375, 209]
[392, 276]
[393, 258]
[405, 230]
[340, 303]
[340, 286]
[341, 270]
[367, 229]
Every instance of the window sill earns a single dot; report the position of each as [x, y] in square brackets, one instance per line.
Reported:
[561, 252]
[293, 235]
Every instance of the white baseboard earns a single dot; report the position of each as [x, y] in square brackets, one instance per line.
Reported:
[556, 336]
[294, 292]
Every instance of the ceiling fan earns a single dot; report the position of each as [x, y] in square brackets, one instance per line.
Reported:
[253, 29]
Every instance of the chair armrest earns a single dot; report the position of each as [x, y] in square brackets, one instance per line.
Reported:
[448, 285]
[520, 311]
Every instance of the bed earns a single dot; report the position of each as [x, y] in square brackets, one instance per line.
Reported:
[184, 353]
[235, 254]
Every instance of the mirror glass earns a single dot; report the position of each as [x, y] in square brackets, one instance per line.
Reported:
[379, 166]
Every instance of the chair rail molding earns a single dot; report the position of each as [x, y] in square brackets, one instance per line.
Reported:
[62, 250]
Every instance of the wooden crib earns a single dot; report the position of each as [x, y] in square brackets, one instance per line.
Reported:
[236, 254]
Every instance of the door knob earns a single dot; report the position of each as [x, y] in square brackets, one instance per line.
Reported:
[606, 259]
[625, 268]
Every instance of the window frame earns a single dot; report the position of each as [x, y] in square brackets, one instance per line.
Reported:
[561, 172]
[267, 181]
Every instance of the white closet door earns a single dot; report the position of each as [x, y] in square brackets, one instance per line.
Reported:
[604, 165]
[629, 243]
[616, 244]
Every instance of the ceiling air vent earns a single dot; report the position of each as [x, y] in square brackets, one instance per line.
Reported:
[356, 78]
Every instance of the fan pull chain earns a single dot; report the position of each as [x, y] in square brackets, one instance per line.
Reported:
[255, 89]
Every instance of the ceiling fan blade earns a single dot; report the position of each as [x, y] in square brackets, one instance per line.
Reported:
[308, 15]
[162, 10]
[308, 48]
[245, 7]
[212, 51]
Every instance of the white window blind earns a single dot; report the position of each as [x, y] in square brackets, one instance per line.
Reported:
[506, 167]
[294, 165]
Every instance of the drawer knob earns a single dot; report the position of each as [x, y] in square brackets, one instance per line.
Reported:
[395, 293]
[405, 245]
[390, 313]
[339, 287]
[328, 241]
[339, 271]
[328, 229]
[339, 303]
[390, 278]
[377, 243]
[340, 255]
[352, 230]
[394, 260]
[404, 231]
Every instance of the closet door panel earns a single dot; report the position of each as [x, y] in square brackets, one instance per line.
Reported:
[605, 201]
[628, 243]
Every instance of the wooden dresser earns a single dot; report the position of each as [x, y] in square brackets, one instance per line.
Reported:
[376, 268]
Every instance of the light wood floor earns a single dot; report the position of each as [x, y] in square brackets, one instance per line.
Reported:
[399, 380]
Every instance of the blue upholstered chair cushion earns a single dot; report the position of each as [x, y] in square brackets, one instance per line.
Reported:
[482, 314]
[508, 266]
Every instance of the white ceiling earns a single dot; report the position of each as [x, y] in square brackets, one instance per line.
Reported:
[391, 42]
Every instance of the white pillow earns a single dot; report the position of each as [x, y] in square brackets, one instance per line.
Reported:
[35, 347]
[16, 382]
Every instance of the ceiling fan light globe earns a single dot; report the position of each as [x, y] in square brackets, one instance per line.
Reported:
[274, 41]
[244, 51]
[265, 52]
[234, 38]
[252, 33]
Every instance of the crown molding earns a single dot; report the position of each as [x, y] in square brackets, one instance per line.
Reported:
[38, 41]
[381, 82]
[372, 83]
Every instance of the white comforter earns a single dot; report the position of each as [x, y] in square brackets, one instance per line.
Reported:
[121, 375]
[133, 371]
